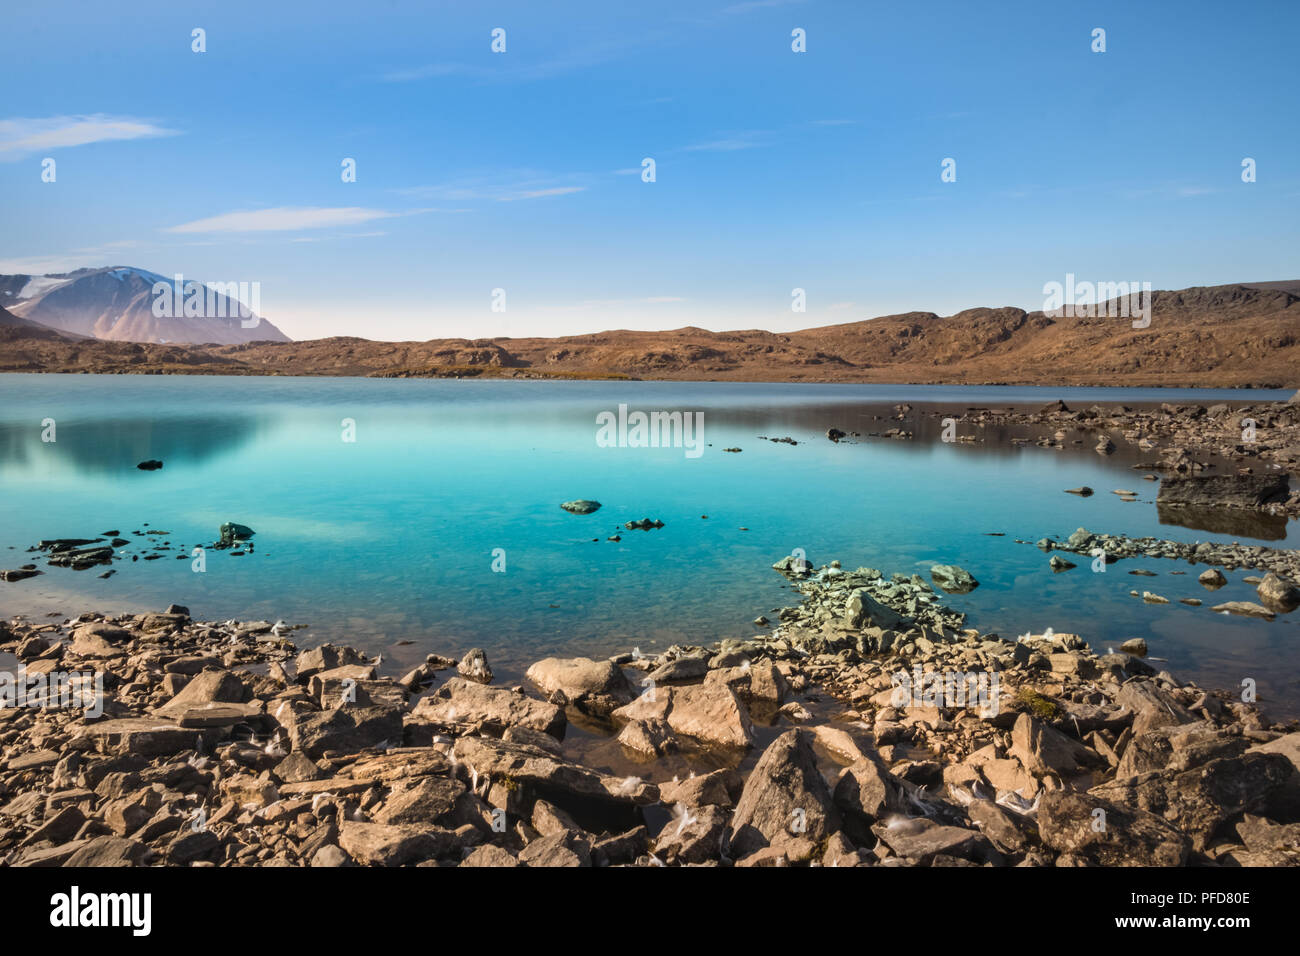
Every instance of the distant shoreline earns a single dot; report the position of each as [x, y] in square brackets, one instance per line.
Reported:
[470, 374]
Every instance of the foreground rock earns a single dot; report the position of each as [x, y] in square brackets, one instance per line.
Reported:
[786, 808]
[221, 744]
[463, 706]
[595, 687]
[711, 713]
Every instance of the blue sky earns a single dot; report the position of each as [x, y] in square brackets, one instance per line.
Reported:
[775, 170]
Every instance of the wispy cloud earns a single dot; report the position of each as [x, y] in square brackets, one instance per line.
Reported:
[729, 143]
[751, 5]
[508, 186]
[543, 193]
[285, 218]
[21, 137]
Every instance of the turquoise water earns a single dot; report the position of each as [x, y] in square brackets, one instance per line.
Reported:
[391, 538]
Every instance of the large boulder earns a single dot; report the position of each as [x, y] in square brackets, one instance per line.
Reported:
[464, 706]
[345, 729]
[1201, 800]
[380, 844]
[1288, 745]
[99, 640]
[1178, 747]
[1277, 593]
[862, 610]
[1152, 706]
[208, 687]
[594, 687]
[425, 800]
[1108, 834]
[786, 805]
[147, 736]
[327, 657]
[1043, 749]
[756, 683]
[710, 713]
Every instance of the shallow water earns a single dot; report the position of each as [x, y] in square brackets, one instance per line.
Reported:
[392, 537]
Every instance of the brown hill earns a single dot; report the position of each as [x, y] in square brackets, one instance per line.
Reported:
[1234, 335]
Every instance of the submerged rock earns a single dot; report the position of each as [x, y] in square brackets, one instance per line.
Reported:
[18, 575]
[232, 533]
[1244, 609]
[581, 506]
[953, 579]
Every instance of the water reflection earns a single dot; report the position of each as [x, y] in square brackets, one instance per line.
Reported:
[1234, 522]
[103, 446]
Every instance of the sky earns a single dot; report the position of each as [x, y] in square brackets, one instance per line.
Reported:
[775, 170]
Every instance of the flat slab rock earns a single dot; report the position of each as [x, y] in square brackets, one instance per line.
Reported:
[709, 712]
[522, 763]
[394, 845]
[147, 736]
[467, 706]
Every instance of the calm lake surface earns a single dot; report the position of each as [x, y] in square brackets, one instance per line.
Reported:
[391, 538]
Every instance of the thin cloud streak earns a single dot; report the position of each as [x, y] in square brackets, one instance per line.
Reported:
[21, 137]
[284, 218]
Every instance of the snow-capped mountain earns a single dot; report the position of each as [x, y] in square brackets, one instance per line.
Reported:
[126, 304]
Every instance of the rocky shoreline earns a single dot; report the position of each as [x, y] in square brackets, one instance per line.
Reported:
[1257, 442]
[886, 733]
